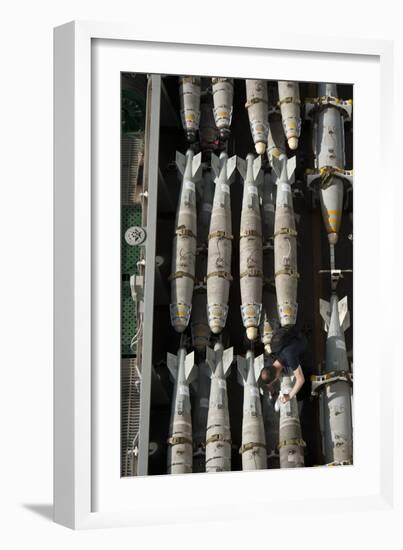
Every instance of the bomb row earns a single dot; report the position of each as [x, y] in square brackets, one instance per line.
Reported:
[209, 264]
[257, 105]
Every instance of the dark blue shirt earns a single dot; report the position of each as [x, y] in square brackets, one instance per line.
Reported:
[289, 356]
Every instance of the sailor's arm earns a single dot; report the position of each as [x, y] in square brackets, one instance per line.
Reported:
[299, 382]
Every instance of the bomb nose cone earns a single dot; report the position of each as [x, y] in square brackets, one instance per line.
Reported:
[251, 333]
[224, 134]
[216, 329]
[179, 326]
[293, 143]
[333, 238]
[260, 147]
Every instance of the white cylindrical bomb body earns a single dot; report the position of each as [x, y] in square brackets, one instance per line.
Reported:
[220, 246]
[218, 436]
[184, 247]
[330, 153]
[257, 106]
[337, 422]
[189, 92]
[253, 448]
[199, 417]
[223, 98]
[335, 396]
[285, 251]
[288, 93]
[251, 251]
[291, 445]
[180, 444]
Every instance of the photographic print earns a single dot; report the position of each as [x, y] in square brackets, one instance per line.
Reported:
[252, 349]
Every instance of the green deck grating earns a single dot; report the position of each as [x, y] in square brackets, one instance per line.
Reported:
[128, 318]
[131, 215]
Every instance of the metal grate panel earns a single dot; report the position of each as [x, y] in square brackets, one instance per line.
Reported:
[131, 162]
[130, 419]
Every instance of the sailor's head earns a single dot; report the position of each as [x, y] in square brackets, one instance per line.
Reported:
[267, 374]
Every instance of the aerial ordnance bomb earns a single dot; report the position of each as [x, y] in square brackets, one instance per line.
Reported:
[184, 244]
[250, 246]
[285, 243]
[289, 102]
[291, 445]
[334, 385]
[253, 448]
[218, 437]
[220, 244]
[257, 106]
[201, 388]
[189, 92]
[180, 445]
[329, 114]
[223, 96]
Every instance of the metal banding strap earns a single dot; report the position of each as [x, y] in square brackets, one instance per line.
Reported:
[295, 441]
[287, 271]
[289, 100]
[341, 105]
[333, 374]
[179, 274]
[328, 170]
[220, 235]
[323, 98]
[250, 233]
[251, 273]
[183, 232]
[255, 100]
[221, 274]
[321, 381]
[179, 440]
[218, 437]
[249, 446]
[286, 231]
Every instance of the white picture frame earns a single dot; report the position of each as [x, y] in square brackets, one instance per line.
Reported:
[88, 490]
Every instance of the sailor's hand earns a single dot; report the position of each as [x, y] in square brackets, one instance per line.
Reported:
[285, 398]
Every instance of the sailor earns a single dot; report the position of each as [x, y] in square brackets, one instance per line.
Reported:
[286, 346]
